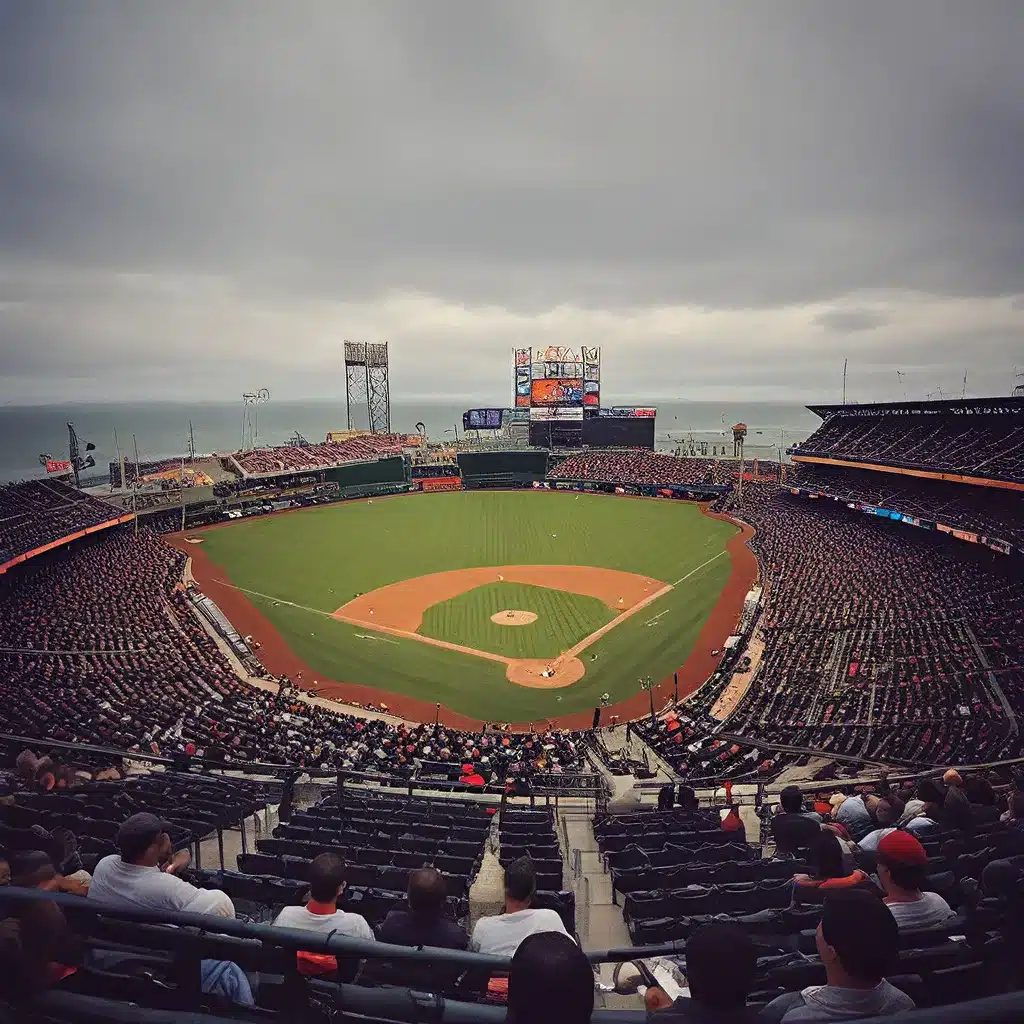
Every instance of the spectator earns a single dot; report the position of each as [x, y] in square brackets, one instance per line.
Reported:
[501, 934]
[424, 923]
[144, 873]
[793, 827]
[37, 950]
[884, 817]
[33, 869]
[321, 914]
[550, 981]
[858, 943]
[1014, 816]
[732, 822]
[902, 867]
[828, 873]
[721, 963]
[852, 813]
[956, 809]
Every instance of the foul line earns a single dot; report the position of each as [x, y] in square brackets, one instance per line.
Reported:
[555, 663]
[683, 579]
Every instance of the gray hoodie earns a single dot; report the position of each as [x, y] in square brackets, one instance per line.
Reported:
[830, 1003]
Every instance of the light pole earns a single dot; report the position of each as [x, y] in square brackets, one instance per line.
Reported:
[648, 685]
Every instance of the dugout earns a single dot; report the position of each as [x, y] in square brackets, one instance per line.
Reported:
[502, 468]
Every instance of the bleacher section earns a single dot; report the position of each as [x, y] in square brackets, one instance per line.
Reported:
[41, 513]
[198, 806]
[975, 438]
[299, 458]
[382, 838]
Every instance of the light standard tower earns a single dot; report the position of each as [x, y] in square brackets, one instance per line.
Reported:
[648, 685]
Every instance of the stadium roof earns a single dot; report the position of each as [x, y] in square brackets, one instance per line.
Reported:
[1000, 406]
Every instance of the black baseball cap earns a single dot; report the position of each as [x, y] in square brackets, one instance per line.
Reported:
[138, 833]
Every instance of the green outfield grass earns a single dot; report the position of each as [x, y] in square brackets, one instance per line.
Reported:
[563, 619]
[319, 559]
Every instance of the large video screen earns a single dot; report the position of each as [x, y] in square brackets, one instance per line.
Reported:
[557, 391]
[619, 432]
[482, 419]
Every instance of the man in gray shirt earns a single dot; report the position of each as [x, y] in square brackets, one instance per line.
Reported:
[858, 942]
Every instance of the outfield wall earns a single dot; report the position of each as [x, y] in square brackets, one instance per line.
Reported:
[502, 468]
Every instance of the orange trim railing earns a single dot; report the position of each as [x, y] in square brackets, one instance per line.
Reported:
[925, 474]
[65, 540]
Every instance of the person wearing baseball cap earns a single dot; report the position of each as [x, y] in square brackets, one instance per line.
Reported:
[902, 866]
[144, 873]
[858, 942]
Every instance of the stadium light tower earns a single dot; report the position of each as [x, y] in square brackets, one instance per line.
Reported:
[648, 685]
[252, 421]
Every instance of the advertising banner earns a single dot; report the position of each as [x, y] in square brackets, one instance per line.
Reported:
[550, 413]
[523, 401]
[559, 391]
[523, 357]
[442, 483]
[631, 411]
[57, 466]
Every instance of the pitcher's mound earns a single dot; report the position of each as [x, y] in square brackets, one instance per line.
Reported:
[513, 617]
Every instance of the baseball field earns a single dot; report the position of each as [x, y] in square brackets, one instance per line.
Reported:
[501, 606]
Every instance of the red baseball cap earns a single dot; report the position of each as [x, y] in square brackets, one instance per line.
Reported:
[902, 848]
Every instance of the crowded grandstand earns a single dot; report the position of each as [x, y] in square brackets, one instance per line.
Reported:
[830, 828]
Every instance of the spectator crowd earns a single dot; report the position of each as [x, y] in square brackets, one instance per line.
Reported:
[636, 468]
[100, 646]
[977, 443]
[298, 458]
[40, 512]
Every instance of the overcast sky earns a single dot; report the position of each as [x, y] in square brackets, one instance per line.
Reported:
[202, 197]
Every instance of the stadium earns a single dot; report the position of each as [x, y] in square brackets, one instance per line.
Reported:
[545, 652]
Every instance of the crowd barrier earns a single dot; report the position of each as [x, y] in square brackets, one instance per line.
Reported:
[191, 938]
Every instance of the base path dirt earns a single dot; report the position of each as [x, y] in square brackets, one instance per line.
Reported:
[281, 660]
[401, 605]
[398, 610]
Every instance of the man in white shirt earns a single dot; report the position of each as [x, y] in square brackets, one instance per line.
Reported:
[144, 873]
[321, 915]
[902, 864]
[501, 934]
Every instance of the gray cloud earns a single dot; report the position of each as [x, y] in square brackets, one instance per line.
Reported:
[849, 321]
[192, 185]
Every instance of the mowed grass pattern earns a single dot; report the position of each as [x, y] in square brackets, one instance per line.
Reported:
[562, 620]
[322, 557]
